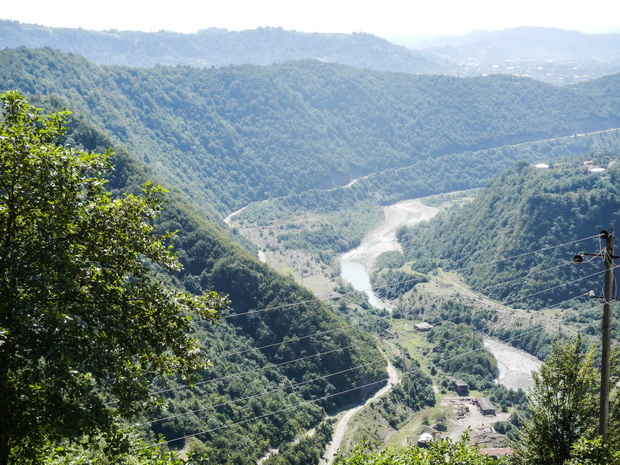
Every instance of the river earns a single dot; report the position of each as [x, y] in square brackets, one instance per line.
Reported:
[356, 265]
[515, 365]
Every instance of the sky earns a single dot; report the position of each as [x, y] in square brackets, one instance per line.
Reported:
[383, 18]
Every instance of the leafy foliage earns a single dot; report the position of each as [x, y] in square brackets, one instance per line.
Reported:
[563, 408]
[83, 325]
[444, 451]
[312, 360]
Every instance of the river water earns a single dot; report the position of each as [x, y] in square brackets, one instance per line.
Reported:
[515, 365]
[356, 265]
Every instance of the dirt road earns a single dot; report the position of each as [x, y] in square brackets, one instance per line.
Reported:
[341, 426]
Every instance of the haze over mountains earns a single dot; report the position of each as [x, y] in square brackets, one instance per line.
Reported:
[219, 47]
[551, 55]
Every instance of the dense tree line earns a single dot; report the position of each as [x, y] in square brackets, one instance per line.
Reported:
[220, 47]
[309, 357]
[233, 135]
[525, 213]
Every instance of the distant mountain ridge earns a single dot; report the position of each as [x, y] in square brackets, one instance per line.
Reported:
[548, 54]
[219, 47]
[532, 43]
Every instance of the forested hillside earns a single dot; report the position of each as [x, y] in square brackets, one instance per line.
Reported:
[234, 135]
[219, 47]
[281, 359]
[527, 213]
[309, 135]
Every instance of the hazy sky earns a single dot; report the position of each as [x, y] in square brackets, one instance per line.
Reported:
[379, 17]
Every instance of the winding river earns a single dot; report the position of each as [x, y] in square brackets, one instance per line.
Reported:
[356, 265]
[515, 366]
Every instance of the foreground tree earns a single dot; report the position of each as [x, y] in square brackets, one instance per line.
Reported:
[563, 407]
[443, 451]
[83, 324]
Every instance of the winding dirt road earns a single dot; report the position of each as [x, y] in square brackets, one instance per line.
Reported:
[343, 423]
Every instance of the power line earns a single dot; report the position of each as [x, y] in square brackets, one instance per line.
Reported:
[275, 344]
[278, 307]
[553, 287]
[317, 299]
[254, 370]
[323, 353]
[285, 306]
[264, 393]
[525, 254]
[258, 417]
[535, 273]
[352, 346]
[482, 330]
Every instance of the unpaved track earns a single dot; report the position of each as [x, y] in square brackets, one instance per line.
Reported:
[341, 426]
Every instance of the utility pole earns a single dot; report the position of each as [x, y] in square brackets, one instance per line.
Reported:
[608, 297]
[606, 353]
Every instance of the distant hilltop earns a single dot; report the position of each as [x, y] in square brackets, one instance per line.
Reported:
[550, 55]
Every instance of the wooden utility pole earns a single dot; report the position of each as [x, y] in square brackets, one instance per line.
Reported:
[606, 330]
[608, 296]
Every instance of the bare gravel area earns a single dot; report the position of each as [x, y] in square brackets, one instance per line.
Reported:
[516, 366]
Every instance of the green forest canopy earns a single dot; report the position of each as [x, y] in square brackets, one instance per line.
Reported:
[233, 135]
[306, 348]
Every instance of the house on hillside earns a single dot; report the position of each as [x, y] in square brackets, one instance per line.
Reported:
[425, 440]
[460, 386]
[593, 167]
[486, 406]
[422, 327]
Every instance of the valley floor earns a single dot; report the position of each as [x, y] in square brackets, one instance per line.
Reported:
[515, 365]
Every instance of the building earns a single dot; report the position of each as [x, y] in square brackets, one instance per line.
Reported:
[486, 406]
[460, 386]
[425, 440]
[423, 326]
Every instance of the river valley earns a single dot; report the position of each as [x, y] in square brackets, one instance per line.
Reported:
[356, 265]
[515, 366]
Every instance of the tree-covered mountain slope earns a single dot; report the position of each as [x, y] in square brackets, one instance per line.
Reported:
[515, 242]
[220, 47]
[234, 135]
[281, 358]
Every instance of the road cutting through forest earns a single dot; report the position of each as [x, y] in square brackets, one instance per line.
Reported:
[343, 422]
